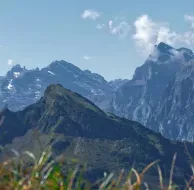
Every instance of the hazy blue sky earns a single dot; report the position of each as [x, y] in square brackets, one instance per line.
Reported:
[109, 37]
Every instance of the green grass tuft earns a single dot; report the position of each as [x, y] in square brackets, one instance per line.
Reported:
[46, 173]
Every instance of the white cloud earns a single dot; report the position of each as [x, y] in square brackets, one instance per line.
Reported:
[10, 62]
[188, 37]
[90, 14]
[119, 27]
[87, 57]
[153, 56]
[149, 33]
[190, 19]
[177, 55]
[110, 23]
[100, 26]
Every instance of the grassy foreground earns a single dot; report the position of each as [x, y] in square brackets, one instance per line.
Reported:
[46, 173]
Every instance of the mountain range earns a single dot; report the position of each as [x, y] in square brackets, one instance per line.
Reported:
[21, 87]
[159, 95]
[81, 130]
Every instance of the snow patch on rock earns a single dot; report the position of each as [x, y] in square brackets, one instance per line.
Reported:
[16, 74]
[51, 72]
[10, 86]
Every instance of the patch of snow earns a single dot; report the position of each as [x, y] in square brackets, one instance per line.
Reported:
[10, 86]
[51, 72]
[16, 74]
[37, 94]
[161, 128]
[94, 92]
[75, 76]
[83, 85]
[98, 92]
[149, 73]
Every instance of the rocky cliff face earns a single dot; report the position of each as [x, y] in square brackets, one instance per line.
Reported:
[137, 98]
[173, 115]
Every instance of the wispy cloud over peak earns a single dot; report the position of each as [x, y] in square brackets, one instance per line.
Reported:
[149, 33]
[90, 14]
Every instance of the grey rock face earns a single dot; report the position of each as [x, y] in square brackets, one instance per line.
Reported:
[173, 115]
[140, 98]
